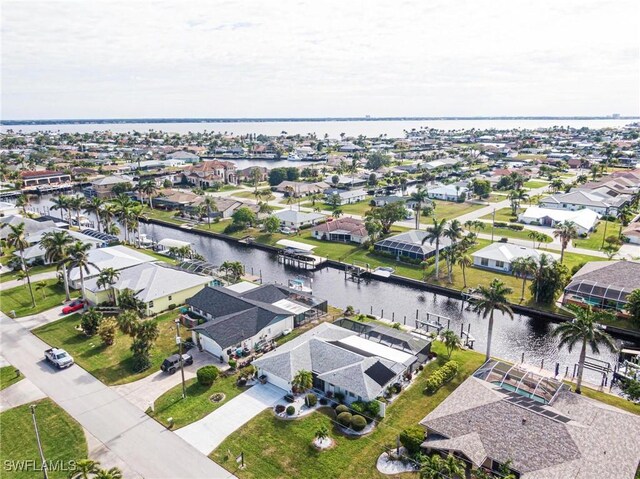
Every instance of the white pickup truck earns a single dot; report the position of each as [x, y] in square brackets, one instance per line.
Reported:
[58, 357]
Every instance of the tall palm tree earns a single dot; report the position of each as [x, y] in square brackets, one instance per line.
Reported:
[517, 197]
[76, 203]
[61, 202]
[523, 267]
[464, 261]
[94, 205]
[418, 197]
[56, 250]
[16, 239]
[148, 188]
[434, 233]
[107, 215]
[79, 258]
[583, 330]
[122, 209]
[211, 206]
[22, 202]
[453, 232]
[106, 279]
[491, 298]
[565, 232]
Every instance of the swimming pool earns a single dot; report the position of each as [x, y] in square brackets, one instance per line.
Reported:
[511, 387]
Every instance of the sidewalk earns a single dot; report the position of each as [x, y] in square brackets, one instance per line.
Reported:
[22, 392]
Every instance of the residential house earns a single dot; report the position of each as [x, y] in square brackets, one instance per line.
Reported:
[500, 256]
[409, 245]
[103, 187]
[246, 173]
[32, 179]
[183, 156]
[585, 220]
[449, 193]
[341, 361]
[36, 253]
[209, 172]
[247, 316]
[507, 416]
[158, 285]
[31, 226]
[632, 233]
[344, 230]
[170, 198]
[385, 200]
[345, 197]
[580, 199]
[298, 219]
[603, 284]
[298, 188]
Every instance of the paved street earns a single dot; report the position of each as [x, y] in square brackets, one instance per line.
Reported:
[143, 444]
[207, 433]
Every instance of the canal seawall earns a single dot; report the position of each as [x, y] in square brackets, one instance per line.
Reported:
[402, 280]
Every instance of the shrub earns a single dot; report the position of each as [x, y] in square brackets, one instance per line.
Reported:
[90, 322]
[172, 306]
[344, 418]
[373, 408]
[339, 397]
[207, 375]
[107, 331]
[358, 423]
[359, 407]
[324, 401]
[440, 376]
[516, 227]
[411, 438]
[291, 410]
[289, 398]
[504, 240]
[501, 224]
[233, 363]
[280, 409]
[311, 399]
[342, 408]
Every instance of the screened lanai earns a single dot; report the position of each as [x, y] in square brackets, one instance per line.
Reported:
[597, 294]
[517, 380]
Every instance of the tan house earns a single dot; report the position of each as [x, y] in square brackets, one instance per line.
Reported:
[103, 187]
[206, 173]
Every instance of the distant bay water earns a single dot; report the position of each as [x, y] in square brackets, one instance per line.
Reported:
[332, 128]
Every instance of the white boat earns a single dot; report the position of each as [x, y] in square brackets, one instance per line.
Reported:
[144, 241]
[294, 157]
[299, 285]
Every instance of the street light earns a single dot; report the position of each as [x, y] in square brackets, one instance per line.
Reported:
[179, 343]
[493, 223]
[35, 426]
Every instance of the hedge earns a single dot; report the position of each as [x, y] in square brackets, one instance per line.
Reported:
[358, 423]
[344, 418]
[412, 438]
[440, 376]
[207, 375]
[342, 408]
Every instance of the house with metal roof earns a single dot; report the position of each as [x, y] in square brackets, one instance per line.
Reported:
[340, 360]
[297, 219]
[579, 199]
[410, 245]
[245, 319]
[506, 415]
[603, 285]
[585, 219]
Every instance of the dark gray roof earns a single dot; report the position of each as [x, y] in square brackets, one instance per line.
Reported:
[612, 274]
[267, 293]
[393, 338]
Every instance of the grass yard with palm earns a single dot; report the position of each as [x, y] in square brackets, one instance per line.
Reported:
[450, 210]
[110, 364]
[61, 436]
[274, 448]
[49, 296]
[595, 239]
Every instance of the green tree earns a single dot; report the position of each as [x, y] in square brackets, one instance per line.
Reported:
[107, 331]
[633, 305]
[481, 188]
[434, 233]
[243, 217]
[378, 160]
[148, 188]
[79, 259]
[565, 232]
[523, 267]
[56, 250]
[465, 261]
[322, 433]
[302, 380]
[388, 214]
[585, 330]
[453, 232]
[16, 239]
[61, 203]
[549, 280]
[22, 202]
[94, 205]
[145, 335]
[490, 299]
[84, 468]
[419, 197]
[128, 301]
[106, 279]
[271, 224]
[90, 321]
[451, 341]
[113, 473]
[209, 203]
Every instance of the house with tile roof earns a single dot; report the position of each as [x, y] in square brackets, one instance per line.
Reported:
[343, 230]
[206, 173]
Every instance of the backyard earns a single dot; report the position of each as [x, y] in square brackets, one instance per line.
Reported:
[595, 239]
[62, 439]
[274, 448]
[49, 296]
[110, 364]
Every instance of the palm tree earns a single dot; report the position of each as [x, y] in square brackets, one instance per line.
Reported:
[303, 380]
[565, 232]
[322, 433]
[453, 232]
[113, 473]
[122, 209]
[76, 203]
[94, 205]
[584, 329]
[491, 298]
[16, 240]
[83, 468]
[451, 341]
[22, 202]
[434, 233]
[61, 202]
[56, 250]
[516, 197]
[148, 188]
[523, 267]
[107, 215]
[106, 279]
[453, 467]
[79, 258]
[464, 261]
[418, 197]
[432, 467]
[211, 206]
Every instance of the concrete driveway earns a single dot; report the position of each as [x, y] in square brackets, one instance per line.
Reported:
[207, 433]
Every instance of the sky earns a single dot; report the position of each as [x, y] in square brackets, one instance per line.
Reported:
[319, 58]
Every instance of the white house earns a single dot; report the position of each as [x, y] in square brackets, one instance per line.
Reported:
[580, 199]
[449, 192]
[345, 197]
[500, 256]
[37, 252]
[585, 219]
[297, 219]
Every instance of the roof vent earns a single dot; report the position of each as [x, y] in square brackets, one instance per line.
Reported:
[524, 421]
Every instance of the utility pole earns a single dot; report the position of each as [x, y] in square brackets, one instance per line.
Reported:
[493, 223]
[606, 220]
[35, 426]
[179, 343]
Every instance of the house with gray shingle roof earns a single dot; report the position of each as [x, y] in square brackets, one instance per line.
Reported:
[340, 360]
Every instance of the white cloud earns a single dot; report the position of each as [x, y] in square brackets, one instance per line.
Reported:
[70, 59]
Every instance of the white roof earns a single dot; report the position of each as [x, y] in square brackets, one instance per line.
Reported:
[173, 243]
[242, 286]
[296, 244]
[116, 257]
[508, 252]
[297, 216]
[585, 218]
[376, 349]
[290, 306]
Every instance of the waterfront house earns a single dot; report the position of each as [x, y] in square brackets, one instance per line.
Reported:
[506, 416]
[298, 219]
[298, 188]
[632, 233]
[103, 187]
[31, 226]
[183, 156]
[31, 179]
[585, 220]
[170, 198]
[386, 200]
[603, 285]
[344, 230]
[409, 245]
[344, 197]
[449, 193]
[500, 256]
[581, 199]
[341, 361]
[158, 285]
[245, 316]
[209, 172]
[36, 253]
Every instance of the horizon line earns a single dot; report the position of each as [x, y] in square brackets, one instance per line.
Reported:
[53, 121]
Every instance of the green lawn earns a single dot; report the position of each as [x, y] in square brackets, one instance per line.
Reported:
[61, 436]
[34, 270]
[249, 194]
[451, 209]
[594, 241]
[274, 448]
[503, 214]
[110, 364]
[18, 299]
[8, 377]
[197, 404]
[574, 259]
[533, 184]
[359, 208]
[509, 233]
[164, 215]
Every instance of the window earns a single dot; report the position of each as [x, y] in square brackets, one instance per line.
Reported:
[151, 304]
[170, 297]
[484, 262]
[499, 264]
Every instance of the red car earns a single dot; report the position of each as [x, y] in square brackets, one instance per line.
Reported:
[74, 306]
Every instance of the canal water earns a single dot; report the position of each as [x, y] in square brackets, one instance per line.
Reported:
[511, 337]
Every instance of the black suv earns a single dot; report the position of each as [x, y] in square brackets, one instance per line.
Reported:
[172, 363]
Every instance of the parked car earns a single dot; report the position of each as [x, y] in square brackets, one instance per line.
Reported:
[172, 363]
[286, 230]
[73, 306]
[58, 357]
